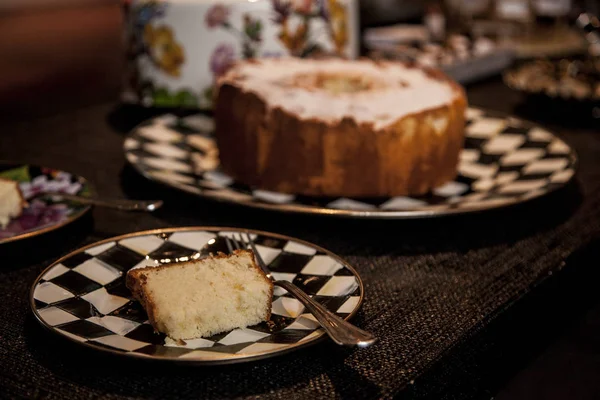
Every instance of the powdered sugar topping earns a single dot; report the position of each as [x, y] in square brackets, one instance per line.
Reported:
[369, 92]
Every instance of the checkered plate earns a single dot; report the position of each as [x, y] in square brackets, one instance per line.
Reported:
[505, 161]
[83, 296]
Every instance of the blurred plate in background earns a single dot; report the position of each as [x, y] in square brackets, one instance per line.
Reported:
[42, 215]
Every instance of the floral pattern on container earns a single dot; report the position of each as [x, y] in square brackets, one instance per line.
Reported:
[224, 55]
[42, 213]
[176, 66]
[251, 34]
[338, 24]
[296, 33]
[217, 16]
[157, 43]
[221, 59]
[164, 51]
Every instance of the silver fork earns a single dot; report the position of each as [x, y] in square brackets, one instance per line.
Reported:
[340, 331]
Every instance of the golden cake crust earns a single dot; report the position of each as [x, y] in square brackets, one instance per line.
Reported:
[273, 149]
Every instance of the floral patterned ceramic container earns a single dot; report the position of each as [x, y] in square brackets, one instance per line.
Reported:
[177, 48]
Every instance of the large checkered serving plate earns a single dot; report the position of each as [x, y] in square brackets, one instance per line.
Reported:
[505, 161]
[83, 296]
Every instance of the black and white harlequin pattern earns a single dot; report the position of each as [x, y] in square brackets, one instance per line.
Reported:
[505, 161]
[85, 298]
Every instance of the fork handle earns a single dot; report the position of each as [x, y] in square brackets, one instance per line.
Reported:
[340, 331]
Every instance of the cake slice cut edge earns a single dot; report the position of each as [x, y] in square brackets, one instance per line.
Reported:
[11, 201]
[201, 298]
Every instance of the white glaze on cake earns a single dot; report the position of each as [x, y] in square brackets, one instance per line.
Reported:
[397, 90]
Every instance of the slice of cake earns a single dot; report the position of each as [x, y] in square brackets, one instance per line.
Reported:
[333, 127]
[11, 201]
[205, 297]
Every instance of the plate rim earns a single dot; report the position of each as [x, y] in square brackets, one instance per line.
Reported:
[357, 214]
[72, 218]
[235, 360]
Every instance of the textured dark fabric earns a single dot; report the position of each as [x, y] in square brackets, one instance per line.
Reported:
[431, 285]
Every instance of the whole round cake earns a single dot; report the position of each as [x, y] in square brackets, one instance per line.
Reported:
[333, 127]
